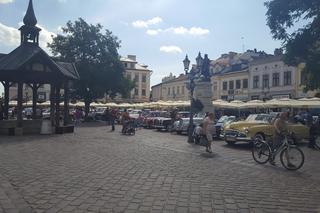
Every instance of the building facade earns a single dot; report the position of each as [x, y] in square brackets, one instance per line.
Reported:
[171, 89]
[247, 76]
[232, 84]
[271, 78]
[140, 74]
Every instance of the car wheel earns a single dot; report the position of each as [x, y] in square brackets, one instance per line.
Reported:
[230, 142]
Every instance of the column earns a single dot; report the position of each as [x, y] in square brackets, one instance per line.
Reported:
[57, 103]
[52, 103]
[19, 106]
[6, 86]
[66, 103]
[34, 100]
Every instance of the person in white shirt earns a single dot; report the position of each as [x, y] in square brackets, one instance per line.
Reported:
[209, 130]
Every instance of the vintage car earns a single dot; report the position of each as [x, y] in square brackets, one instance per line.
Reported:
[148, 121]
[259, 125]
[183, 125]
[163, 122]
[221, 123]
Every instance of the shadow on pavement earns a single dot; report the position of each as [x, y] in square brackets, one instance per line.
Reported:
[239, 146]
[208, 155]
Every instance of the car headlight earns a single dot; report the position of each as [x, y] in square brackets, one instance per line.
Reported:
[246, 130]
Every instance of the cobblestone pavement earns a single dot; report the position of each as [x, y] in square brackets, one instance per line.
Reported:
[95, 170]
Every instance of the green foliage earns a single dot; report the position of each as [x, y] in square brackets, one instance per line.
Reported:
[96, 57]
[302, 44]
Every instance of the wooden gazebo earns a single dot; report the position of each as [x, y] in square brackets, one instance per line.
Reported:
[31, 65]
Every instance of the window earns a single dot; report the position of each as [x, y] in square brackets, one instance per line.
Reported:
[136, 77]
[143, 92]
[255, 82]
[304, 78]
[275, 79]
[178, 90]
[265, 81]
[173, 91]
[132, 65]
[136, 91]
[245, 83]
[129, 76]
[168, 91]
[125, 65]
[287, 78]
[225, 86]
[182, 90]
[144, 78]
[238, 84]
[231, 85]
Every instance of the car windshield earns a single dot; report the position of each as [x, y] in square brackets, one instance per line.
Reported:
[251, 118]
[183, 114]
[223, 119]
[259, 118]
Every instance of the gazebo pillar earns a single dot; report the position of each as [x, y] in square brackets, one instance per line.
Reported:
[52, 104]
[57, 96]
[34, 100]
[66, 103]
[19, 106]
[6, 86]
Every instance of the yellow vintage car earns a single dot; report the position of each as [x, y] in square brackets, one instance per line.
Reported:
[259, 125]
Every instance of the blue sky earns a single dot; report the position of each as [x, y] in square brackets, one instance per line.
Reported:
[159, 32]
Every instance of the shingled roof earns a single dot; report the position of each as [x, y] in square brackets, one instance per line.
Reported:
[19, 57]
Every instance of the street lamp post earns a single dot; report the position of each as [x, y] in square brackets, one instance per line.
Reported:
[191, 85]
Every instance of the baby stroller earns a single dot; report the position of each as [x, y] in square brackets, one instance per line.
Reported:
[199, 137]
[129, 128]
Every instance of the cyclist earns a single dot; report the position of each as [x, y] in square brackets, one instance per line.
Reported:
[125, 119]
[280, 131]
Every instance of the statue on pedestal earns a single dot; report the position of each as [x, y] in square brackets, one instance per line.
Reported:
[205, 69]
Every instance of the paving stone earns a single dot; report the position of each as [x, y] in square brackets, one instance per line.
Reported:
[95, 170]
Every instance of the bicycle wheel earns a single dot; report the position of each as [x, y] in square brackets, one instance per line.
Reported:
[292, 158]
[261, 152]
[317, 142]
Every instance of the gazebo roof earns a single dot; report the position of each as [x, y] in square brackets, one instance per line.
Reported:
[29, 63]
[14, 63]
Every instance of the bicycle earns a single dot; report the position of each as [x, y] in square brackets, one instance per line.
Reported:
[291, 156]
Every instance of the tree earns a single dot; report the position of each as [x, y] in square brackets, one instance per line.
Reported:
[96, 57]
[301, 44]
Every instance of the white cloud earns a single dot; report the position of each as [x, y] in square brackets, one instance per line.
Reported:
[193, 31]
[198, 31]
[154, 32]
[10, 36]
[171, 49]
[6, 1]
[147, 23]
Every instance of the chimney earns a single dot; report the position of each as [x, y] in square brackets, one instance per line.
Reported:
[132, 57]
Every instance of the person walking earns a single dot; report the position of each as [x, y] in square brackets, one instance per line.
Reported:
[113, 116]
[1, 110]
[209, 130]
[314, 132]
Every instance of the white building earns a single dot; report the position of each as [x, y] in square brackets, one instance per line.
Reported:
[231, 83]
[140, 74]
[271, 78]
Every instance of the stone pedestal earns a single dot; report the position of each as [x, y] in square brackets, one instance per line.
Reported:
[203, 92]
